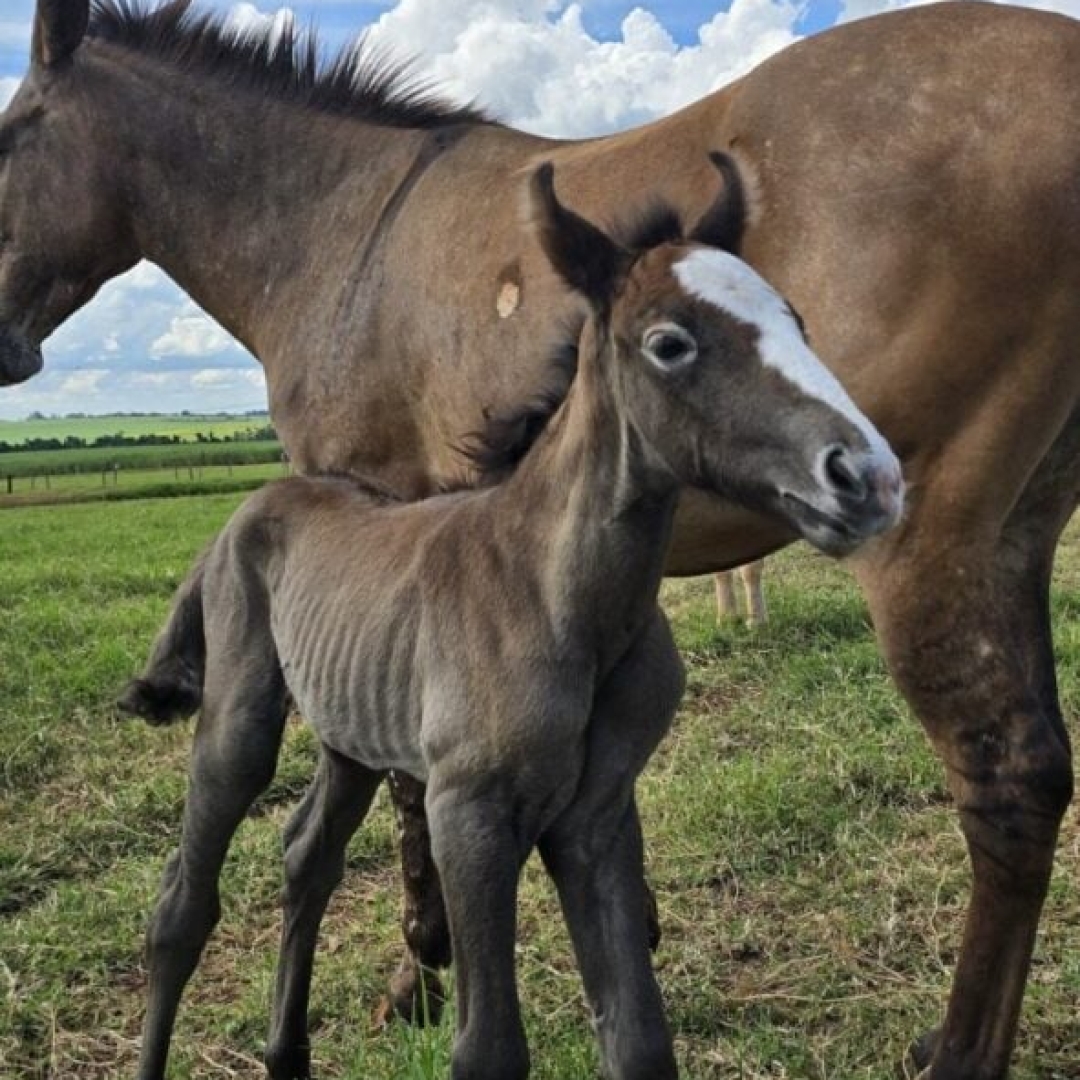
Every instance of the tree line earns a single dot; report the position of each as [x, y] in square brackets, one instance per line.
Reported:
[75, 442]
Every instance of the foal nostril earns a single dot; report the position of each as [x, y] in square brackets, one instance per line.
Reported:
[843, 474]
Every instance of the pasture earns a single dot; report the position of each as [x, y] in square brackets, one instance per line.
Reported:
[188, 428]
[808, 867]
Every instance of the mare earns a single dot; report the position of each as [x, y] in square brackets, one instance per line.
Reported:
[504, 644]
[912, 187]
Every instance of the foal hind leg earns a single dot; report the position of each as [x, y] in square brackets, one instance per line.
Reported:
[315, 840]
[232, 761]
[974, 658]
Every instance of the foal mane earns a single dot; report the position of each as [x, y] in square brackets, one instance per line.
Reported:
[360, 81]
[509, 434]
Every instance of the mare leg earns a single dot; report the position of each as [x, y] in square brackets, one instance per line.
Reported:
[973, 655]
[479, 849]
[232, 761]
[416, 992]
[751, 574]
[593, 852]
[315, 840]
[727, 605]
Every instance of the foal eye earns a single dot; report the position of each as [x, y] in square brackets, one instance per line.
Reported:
[669, 346]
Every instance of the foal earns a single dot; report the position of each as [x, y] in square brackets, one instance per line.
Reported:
[503, 644]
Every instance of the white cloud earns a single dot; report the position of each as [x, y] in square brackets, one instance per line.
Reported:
[82, 382]
[859, 9]
[8, 85]
[245, 17]
[546, 73]
[192, 333]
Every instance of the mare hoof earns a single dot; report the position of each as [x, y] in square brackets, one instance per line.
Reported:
[920, 1054]
[416, 996]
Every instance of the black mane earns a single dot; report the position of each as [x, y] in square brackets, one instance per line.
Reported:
[509, 434]
[359, 81]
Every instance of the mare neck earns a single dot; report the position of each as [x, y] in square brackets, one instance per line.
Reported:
[232, 192]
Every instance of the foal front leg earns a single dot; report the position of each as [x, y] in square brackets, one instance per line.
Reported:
[479, 853]
[593, 852]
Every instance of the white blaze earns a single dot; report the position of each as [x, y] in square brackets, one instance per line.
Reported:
[731, 285]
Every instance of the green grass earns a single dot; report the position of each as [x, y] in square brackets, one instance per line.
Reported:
[809, 870]
[16, 432]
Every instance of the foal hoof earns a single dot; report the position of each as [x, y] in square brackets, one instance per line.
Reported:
[289, 1063]
[416, 996]
[920, 1054]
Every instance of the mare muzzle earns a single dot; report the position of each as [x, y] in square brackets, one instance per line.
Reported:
[19, 357]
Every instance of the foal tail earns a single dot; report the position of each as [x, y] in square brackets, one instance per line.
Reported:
[170, 688]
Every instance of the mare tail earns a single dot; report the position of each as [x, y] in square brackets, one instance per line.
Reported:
[170, 688]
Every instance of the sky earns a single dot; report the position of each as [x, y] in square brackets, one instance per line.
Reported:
[550, 66]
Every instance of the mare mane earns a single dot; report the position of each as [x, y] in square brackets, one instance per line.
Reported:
[361, 80]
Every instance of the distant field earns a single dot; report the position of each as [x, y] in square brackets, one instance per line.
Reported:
[809, 871]
[38, 463]
[188, 428]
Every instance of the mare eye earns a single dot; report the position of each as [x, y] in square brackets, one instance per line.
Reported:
[669, 346]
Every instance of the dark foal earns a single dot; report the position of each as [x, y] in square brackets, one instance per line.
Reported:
[504, 645]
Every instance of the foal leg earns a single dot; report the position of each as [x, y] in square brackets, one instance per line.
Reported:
[754, 594]
[315, 840]
[974, 658]
[232, 761]
[593, 852]
[479, 849]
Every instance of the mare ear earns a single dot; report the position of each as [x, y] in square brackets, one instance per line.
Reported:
[59, 26]
[587, 259]
[723, 224]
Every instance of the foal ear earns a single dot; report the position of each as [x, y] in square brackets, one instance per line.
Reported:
[59, 26]
[587, 259]
[723, 224]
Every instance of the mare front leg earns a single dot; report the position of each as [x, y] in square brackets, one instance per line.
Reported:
[593, 852]
[315, 841]
[233, 759]
[974, 658]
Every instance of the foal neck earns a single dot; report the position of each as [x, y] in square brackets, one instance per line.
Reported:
[599, 505]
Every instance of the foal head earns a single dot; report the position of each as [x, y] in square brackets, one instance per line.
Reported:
[713, 374]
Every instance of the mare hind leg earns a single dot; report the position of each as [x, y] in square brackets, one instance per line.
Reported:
[233, 759]
[974, 658]
[416, 993]
[315, 840]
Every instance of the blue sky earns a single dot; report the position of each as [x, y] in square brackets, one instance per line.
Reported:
[142, 345]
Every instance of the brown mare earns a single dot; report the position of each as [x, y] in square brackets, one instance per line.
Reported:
[913, 188]
[505, 644]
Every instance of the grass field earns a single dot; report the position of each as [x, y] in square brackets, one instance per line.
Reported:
[809, 870]
[135, 483]
[89, 428]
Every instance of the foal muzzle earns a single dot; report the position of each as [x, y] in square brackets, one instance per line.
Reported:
[858, 495]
